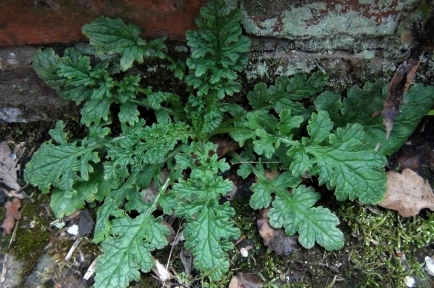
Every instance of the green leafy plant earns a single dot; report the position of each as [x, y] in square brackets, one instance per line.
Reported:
[157, 130]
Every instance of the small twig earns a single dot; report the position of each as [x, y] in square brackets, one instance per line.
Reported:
[14, 233]
[239, 240]
[20, 193]
[171, 249]
[254, 162]
[332, 283]
[22, 188]
[73, 247]
[90, 270]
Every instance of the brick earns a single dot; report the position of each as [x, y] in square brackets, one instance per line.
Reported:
[60, 21]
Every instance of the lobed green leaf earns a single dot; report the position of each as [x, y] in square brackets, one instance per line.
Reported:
[128, 251]
[208, 231]
[294, 212]
[218, 49]
[263, 190]
[64, 203]
[344, 163]
[45, 65]
[113, 36]
[61, 166]
[128, 113]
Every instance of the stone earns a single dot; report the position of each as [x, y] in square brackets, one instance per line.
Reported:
[23, 96]
[337, 23]
[343, 38]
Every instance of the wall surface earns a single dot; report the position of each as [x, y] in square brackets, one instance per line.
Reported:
[60, 21]
[346, 38]
[341, 37]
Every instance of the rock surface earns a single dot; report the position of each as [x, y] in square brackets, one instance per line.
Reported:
[23, 96]
[345, 38]
[337, 22]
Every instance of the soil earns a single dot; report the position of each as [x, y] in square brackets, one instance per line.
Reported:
[379, 249]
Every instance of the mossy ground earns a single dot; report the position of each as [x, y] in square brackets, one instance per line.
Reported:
[386, 247]
[32, 234]
[381, 249]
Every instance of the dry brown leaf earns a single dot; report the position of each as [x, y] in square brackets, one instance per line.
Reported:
[171, 237]
[429, 265]
[421, 39]
[269, 175]
[179, 237]
[187, 260]
[20, 194]
[407, 193]
[231, 194]
[397, 88]
[8, 167]
[152, 191]
[275, 239]
[245, 280]
[410, 160]
[225, 145]
[12, 214]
